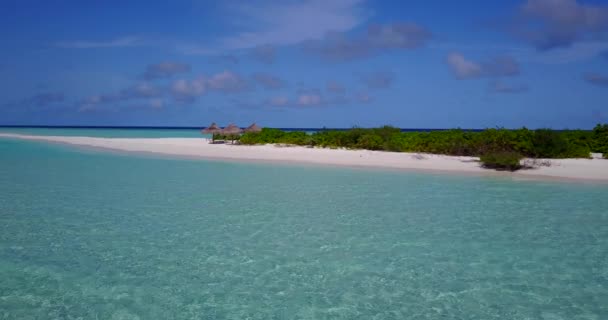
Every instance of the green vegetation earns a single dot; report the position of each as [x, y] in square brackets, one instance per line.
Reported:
[226, 137]
[509, 161]
[599, 139]
[500, 146]
[269, 135]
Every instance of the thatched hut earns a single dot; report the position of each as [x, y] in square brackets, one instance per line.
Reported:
[232, 131]
[213, 129]
[253, 128]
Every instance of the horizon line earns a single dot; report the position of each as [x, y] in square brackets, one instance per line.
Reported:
[281, 128]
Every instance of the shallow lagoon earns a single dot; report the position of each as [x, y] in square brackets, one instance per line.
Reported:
[90, 234]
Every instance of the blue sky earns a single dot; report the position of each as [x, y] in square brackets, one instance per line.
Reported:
[310, 63]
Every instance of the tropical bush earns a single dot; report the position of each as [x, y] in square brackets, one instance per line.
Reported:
[226, 137]
[267, 135]
[370, 142]
[509, 161]
[540, 143]
[296, 137]
[600, 140]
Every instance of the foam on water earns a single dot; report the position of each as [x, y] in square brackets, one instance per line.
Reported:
[95, 235]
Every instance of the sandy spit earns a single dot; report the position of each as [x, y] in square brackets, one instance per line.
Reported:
[577, 169]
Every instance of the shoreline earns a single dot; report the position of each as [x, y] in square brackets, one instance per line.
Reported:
[585, 170]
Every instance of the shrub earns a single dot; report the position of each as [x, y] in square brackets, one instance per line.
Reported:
[523, 141]
[542, 143]
[386, 132]
[494, 141]
[548, 144]
[270, 135]
[296, 137]
[600, 139]
[250, 138]
[370, 142]
[510, 161]
[396, 143]
[327, 139]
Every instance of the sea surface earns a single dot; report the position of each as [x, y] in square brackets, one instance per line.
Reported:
[108, 132]
[93, 235]
[144, 132]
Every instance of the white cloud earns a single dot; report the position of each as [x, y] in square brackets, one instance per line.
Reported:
[261, 24]
[463, 68]
[140, 90]
[188, 90]
[165, 70]
[309, 100]
[114, 43]
[340, 46]
[279, 101]
[596, 79]
[335, 87]
[195, 49]
[227, 81]
[157, 103]
[578, 51]
[501, 66]
[289, 22]
[378, 80]
[264, 53]
[268, 81]
[551, 24]
[363, 97]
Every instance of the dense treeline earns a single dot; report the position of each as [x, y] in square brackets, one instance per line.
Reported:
[540, 143]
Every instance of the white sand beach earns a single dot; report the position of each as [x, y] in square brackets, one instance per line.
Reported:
[581, 169]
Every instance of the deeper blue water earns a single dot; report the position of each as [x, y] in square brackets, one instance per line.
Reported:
[107, 133]
[93, 235]
[118, 133]
[142, 132]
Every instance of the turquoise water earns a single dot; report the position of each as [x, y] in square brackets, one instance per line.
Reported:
[95, 235]
[114, 133]
[108, 133]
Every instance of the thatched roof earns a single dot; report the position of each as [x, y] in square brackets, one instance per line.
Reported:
[232, 129]
[253, 128]
[213, 128]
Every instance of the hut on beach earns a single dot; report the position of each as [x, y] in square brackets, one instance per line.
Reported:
[214, 130]
[232, 131]
[253, 128]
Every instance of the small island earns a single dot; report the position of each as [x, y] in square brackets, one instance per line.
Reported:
[519, 153]
[500, 148]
